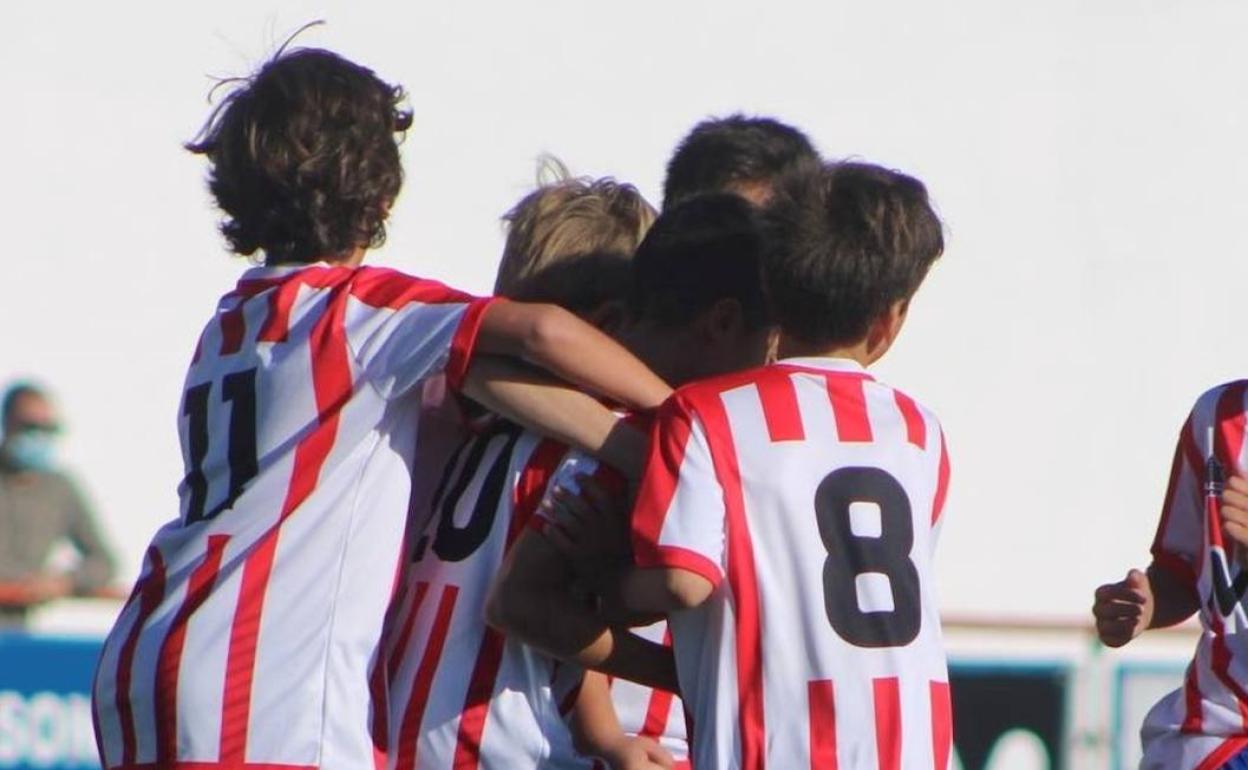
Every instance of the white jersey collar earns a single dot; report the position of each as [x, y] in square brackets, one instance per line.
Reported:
[825, 363]
[276, 271]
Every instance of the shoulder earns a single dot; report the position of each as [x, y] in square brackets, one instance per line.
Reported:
[1225, 399]
[387, 287]
[690, 397]
[906, 402]
[52, 486]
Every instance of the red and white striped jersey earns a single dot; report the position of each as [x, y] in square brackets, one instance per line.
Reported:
[249, 638]
[642, 710]
[809, 495]
[462, 695]
[1204, 723]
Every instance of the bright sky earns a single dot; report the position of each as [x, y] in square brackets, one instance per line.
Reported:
[1088, 159]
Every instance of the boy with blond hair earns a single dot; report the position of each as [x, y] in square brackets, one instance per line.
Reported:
[462, 695]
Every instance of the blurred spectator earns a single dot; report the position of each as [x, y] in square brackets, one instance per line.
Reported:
[40, 508]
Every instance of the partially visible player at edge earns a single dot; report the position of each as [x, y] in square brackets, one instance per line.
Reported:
[462, 696]
[788, 515]
[1196, 567]
[250, 636]
[671, 313]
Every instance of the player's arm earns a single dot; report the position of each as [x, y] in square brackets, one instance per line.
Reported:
[533, 599]
[557, 341]
[596, 730]
[661, 590]
[545, 405]
[1164, 593]
[589, 529]
[1155, 598]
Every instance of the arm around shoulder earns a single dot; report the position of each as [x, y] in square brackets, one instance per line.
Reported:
[559, 342]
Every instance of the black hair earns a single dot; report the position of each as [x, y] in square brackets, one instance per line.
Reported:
[697, 253]
[735, 149]
[845, 242]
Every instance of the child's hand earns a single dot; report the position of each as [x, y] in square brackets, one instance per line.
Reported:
[1235, 514]
[1124, 609]
[590, 528]
[638, 754]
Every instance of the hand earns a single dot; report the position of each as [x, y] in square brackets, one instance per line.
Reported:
[638, 754]
[591, 528]
[1124, 610]
[1235, 515]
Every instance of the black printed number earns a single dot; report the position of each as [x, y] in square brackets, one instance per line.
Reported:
[884, 552]
[239, 391]
[454, 543]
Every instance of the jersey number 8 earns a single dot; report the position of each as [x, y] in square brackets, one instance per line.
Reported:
[852, 555]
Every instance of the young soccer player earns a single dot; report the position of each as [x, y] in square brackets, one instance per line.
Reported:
[788, 514]
[696, 309]
[738, 155]
[463, 696]
[1203, 724]
[249, 638]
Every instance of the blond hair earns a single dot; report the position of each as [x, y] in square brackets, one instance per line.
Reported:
[566, 218]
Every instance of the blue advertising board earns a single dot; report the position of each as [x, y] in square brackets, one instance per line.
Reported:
[45, 702]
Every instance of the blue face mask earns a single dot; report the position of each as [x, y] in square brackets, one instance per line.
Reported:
[31, 450]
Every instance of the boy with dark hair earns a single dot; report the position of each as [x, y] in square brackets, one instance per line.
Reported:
[253, 631]
[737, 154]
[788, 514]
[696, 309]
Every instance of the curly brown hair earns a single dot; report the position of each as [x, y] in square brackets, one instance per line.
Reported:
[304, 157]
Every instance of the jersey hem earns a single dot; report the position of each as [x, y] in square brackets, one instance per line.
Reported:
[675, 557]
[1221, 754]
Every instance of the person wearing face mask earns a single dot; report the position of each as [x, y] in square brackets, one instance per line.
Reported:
[40, 508]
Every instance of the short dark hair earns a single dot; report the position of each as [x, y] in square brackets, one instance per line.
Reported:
[732, 150]
[699, 252]
[304, 157]
[12, 394]
[846, 241]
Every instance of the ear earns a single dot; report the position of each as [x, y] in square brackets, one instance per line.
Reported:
[609, 317]
[885, 328]
[724, 320]
[773, 345]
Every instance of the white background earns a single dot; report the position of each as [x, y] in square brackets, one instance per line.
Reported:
[1088, 159]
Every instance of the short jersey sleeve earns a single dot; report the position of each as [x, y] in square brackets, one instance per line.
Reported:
[403, 330]
[1180, 538]
[679, 517]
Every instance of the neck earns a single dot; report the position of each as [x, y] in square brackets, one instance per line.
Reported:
[355, 259]
[857, 351]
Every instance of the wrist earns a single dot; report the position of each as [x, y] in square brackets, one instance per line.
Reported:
[615, 749]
